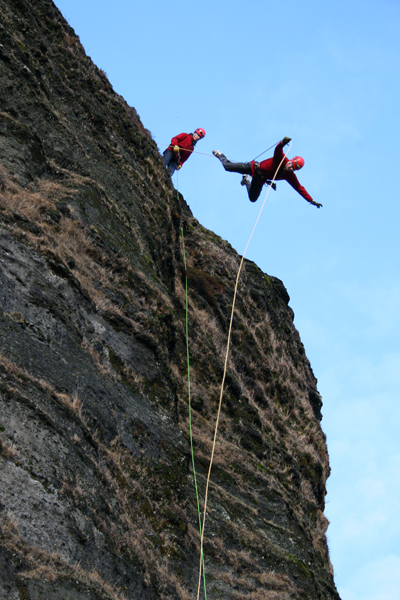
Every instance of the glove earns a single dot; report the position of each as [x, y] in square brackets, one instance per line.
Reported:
[176, 149]
[285, 141]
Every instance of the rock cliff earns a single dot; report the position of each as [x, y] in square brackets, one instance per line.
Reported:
[97, 497]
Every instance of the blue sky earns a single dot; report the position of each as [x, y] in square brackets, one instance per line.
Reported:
[328, 76]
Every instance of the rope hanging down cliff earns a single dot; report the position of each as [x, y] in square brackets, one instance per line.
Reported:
[223, 381]
[189, 400]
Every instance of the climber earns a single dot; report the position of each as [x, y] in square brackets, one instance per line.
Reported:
[264, 172]
[180, 149]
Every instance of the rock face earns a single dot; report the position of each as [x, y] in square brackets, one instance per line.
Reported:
[97, 497]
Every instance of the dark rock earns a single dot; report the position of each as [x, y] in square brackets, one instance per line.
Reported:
[280, 289]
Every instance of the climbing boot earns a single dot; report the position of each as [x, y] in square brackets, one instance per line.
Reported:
[245, 180]
[217, 153]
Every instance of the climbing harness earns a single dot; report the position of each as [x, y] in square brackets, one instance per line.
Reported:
[257, 171]
[223, 380]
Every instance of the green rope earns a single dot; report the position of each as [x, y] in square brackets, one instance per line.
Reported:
[190, 411]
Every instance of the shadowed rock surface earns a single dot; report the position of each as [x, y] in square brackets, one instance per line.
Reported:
[97, 498]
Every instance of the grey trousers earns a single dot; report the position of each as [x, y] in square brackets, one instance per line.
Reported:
[254, 187]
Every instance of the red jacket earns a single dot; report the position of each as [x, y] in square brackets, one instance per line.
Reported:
[186, 145]
[268, 167]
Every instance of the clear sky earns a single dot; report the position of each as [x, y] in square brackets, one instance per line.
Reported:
[327, 74]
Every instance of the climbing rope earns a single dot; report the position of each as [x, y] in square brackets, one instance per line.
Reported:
[189, 400]
[212, 155]
[223, 379]
[266, 150]
[191, 151]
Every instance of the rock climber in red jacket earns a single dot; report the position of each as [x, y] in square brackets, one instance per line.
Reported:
[264, 172]
[180, 148]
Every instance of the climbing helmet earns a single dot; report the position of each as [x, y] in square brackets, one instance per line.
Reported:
[298, 162]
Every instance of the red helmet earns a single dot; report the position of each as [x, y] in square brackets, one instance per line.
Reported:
[297, 162]
[200, 132]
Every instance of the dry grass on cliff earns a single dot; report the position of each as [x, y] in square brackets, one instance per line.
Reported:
[291, 427]
[62, 235]
[305, 439]
[298, 430]
[273, 585]
[39, 565]
[137, 536]
[8, 449]
[72, 402]
[135, 531]
[66, 237]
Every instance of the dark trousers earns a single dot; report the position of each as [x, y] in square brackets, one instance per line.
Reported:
[254, 187]
[170, 160]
